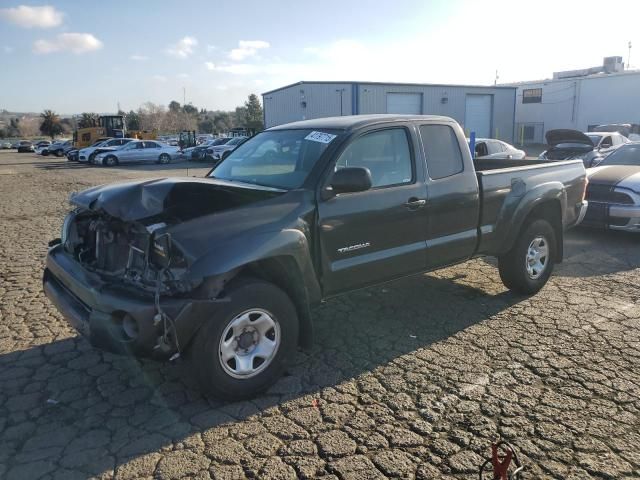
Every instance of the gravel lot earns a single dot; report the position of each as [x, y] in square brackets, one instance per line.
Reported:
[409, 380]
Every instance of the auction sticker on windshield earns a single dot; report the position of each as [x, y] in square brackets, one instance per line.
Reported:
[320, 137]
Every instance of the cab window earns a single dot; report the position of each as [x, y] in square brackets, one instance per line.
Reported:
[385, 153]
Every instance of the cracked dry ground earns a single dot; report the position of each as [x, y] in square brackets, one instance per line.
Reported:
[409, 380]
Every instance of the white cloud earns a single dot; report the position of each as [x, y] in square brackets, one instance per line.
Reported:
[7, 49]
[183, 76]
[183, 48]
[240, 69]
[211, 48]
[45, 16]
[210, 65]
[159, 78]
[138, 58]
[73, 42]
[247, 48]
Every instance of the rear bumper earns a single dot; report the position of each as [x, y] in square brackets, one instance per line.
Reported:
[115, 317]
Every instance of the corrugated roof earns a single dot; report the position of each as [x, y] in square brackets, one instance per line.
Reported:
[322, 82]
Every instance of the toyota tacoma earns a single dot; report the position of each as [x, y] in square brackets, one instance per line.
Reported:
[225, 269]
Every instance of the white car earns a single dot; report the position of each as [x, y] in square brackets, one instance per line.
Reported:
[139, 151]
[497, 149]
[87, 154]
[606, 142]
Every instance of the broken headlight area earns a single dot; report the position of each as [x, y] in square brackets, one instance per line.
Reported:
[131, 252]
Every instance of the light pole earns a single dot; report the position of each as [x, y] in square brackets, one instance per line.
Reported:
[340, 91]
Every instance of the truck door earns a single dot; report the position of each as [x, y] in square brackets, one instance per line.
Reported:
[453, 208]
[373, 236]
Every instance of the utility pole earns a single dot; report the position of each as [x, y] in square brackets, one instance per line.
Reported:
[184, 96]
[629, 56]
[495, 80]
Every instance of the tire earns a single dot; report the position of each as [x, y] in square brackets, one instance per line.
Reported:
[59, 153]
[110, 161]
[164, 158]
[256, 299]
[45, 153]
[91, 158]
[519, 270]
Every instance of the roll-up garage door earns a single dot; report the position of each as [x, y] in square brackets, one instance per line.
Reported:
[477, 117]
[409, 103]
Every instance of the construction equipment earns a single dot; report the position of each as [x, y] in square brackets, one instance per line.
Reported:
[109, 126]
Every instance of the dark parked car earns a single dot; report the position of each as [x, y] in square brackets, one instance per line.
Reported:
[60, 149]
[614, 191]
[24, 146]
[227, 267]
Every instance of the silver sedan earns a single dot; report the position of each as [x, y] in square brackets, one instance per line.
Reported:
[139, 151]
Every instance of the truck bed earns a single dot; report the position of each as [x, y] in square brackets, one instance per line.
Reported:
[508, 185]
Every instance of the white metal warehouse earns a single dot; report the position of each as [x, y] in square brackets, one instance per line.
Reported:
[488, 111]
[578, 99]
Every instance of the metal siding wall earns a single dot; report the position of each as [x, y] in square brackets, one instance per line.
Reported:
[602, 99]
[614, 99]
[284, 106]
[373, 99]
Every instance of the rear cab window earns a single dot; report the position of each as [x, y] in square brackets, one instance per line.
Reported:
[442, 151]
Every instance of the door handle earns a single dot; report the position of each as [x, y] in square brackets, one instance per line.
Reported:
[415, 203]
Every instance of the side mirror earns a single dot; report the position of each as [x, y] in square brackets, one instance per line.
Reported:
[351, 179]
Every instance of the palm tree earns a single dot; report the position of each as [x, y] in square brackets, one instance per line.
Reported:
[50, 125]
[88, 120]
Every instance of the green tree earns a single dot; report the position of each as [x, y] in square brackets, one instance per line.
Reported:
[206, 126]
[50, 125]
[189, 109]
[174, 106]
[88, 120]
[133, 120]
[253, 115]
[222, 122]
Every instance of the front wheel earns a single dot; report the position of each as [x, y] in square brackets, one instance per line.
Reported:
[59, 153]
[164, 158]
[528, 265]
[244, 348]
[110, 161]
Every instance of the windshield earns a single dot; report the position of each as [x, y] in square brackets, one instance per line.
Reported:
[280, 158]
[594, 139]
[626, 155]
[220, 141]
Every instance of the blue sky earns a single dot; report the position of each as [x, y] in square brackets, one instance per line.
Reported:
[88, 56]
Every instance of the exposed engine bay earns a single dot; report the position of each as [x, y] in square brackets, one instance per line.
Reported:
[124, 251]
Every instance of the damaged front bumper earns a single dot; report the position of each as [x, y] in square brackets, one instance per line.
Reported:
[117, 318]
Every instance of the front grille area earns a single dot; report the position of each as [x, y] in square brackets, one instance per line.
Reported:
[598, 193]
[605, 194]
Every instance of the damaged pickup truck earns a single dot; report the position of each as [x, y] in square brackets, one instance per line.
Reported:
[226, 268]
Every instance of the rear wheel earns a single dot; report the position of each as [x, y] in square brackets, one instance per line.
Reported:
[164, 158]
[59, 153]
[244, 348]
[110, 161]
[528, 265]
